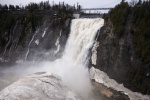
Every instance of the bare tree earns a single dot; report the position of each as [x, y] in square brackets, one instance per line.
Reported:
[133, 2]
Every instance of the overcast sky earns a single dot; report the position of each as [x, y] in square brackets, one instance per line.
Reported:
[83, 3]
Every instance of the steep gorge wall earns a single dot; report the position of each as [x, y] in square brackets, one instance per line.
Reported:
[116, 56]
[123, 51]
[32, 36]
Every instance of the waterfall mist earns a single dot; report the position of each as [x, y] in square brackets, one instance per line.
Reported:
[72, 66]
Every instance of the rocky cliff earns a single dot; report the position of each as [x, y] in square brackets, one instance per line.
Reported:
[117, 57]
[30, 33]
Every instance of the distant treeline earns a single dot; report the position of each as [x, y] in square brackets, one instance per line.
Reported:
[34, 15]
[43, 5]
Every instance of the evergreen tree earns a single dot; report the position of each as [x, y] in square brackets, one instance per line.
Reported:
[17, 7]
[11, 7]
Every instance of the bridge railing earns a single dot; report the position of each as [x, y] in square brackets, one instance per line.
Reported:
[96, 8]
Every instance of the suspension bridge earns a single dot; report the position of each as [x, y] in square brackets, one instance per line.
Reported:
[91, 12]
[84, 9]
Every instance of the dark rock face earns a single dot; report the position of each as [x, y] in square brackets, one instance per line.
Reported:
[117, 57]
[44, 44]
[26, 44]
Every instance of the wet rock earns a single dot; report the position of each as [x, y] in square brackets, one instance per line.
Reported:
[117, 57]
[102, 92]
[111, 89]
[39, 86]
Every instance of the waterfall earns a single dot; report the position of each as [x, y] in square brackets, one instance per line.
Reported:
[82, 37]
[30, 44]
[72, 66]
[57, 44]
[44, 32]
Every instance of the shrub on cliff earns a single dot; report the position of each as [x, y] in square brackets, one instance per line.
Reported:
[142, 30]
[118, 16]
[139, 13]
[6, 22]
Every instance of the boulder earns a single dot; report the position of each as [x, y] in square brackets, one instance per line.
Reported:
[38, 86]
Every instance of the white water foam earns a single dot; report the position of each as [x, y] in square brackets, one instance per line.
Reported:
[72, 67]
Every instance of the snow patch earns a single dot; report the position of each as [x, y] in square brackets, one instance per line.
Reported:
[44, 32]
[57, 45]
[102, 77]
[94, 53]
[37, 42]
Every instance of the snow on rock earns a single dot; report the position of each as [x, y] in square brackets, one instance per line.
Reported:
[44, 32]
[38, 86]
[101, 77]
[37, 42]
[94, 53]
[30, 44]
[57, 45]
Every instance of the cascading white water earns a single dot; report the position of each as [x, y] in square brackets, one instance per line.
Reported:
[30, 44]
[82, 37]
[57, 44]
[44, 32]
[72, 67]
